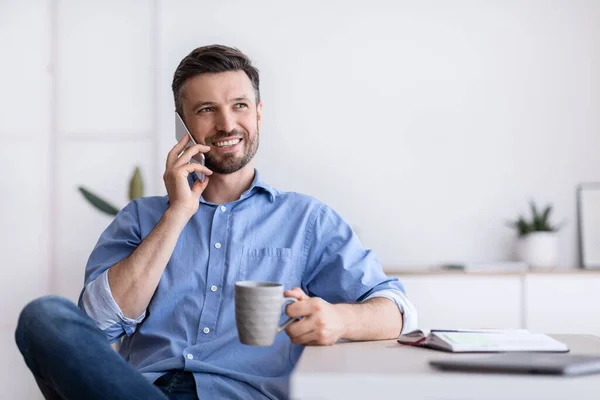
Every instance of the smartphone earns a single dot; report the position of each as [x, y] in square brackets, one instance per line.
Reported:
[180, 131]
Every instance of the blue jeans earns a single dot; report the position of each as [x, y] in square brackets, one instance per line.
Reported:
[70, 358]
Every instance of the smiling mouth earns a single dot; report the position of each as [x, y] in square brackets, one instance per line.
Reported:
[227, 143]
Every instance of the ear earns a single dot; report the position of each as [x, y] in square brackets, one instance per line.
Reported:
[259, 115]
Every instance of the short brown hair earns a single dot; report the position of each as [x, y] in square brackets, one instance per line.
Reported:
[212, 59]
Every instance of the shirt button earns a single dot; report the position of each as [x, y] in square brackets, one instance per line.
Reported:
[213, 288]
[223, 208]
[218, 245]
[190, 356]
[205, 330]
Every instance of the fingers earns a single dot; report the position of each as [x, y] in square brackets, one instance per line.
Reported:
[176, 151]
[189, 153]
[308, 332]
[183, 171]
[314, 337]
[194, 167]
[304, 308]
[305, 338]
[299, 328]
[199, 186]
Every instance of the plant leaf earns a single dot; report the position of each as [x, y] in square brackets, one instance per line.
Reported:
[136, 185]
[546, 220]
[535, 216]
[98, 203]
[547, 212]
[523, 227]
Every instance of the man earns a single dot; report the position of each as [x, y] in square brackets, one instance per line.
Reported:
[162, 275]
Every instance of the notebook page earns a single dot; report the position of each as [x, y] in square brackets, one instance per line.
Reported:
[465, 341]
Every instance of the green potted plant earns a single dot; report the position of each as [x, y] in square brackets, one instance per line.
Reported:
[136, 189]
[537, 238]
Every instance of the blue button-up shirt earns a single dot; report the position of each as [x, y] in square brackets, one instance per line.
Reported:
[266, 235]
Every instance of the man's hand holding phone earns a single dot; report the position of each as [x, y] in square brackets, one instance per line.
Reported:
[182, 198]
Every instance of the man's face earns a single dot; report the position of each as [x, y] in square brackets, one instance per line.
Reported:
[220, 111]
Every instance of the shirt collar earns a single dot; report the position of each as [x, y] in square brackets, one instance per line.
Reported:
[257, 185]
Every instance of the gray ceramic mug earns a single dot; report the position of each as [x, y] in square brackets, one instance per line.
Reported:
[258, 308]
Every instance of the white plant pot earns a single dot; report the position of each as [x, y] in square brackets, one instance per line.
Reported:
[538, 249]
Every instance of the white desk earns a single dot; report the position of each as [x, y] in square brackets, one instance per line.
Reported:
[388, 370]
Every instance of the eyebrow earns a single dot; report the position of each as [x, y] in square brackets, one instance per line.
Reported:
[241, 98]
[212, 103]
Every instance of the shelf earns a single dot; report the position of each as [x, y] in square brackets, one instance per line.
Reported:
[437, 272]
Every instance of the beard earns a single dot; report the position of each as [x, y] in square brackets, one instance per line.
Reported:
[230, 163]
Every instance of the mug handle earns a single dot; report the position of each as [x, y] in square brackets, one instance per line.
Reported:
[290, 320]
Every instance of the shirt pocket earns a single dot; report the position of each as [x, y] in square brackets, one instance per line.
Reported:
[269, 264]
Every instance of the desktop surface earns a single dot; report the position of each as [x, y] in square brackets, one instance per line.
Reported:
[387, 369]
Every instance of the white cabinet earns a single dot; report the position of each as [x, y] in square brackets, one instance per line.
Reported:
[563, 303]
[465, 301]
[550, 302]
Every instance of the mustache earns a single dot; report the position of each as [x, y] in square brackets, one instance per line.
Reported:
[222, 134]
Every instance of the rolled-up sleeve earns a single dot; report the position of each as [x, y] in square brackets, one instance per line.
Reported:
[408, 310]
[115, 244]
[339, 269]
[97, 302]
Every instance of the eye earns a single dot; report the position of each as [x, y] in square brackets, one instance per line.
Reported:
[205, 110]
[241, 105]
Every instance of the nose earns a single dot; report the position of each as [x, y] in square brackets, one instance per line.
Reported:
[225, 121]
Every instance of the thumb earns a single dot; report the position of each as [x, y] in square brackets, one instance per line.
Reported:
[296, 293]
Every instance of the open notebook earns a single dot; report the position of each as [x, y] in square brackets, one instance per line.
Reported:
[482, 340]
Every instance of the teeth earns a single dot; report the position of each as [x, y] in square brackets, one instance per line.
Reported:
[227, 143]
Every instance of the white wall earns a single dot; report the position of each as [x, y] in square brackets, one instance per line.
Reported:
[426, 124]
